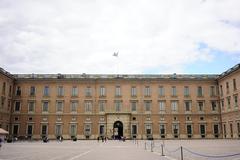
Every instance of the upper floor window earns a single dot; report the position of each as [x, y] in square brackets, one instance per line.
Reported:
[229, 102]
[45, 106]
[147, 91]
[17, 106]
[234, 85]
[134, 106]
[88, 106]
[187, 106]
[214, 105]
[200, 105]
[118, 106]
[236, 101]
[74, 91]
[59, 106]
[186, 91]
[174, 91]
[174, 106]
[102, 91]
[222, 103]
[32, 91]
[31, 106]
[88, 91]
[10, 91]
[18, 92]
[147, 105]
[60, 91]
[161, 106]
[227, 87]
[133, 91]
[102, 105]
[161, 91]
[212, 91]
[200, 91]
[46, 91]
[118, 91]
[74, 105]
[221, 90]
[4, 88]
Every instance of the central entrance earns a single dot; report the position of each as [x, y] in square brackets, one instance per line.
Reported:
[118, 130]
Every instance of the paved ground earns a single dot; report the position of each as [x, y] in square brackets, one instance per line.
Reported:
[115, 150]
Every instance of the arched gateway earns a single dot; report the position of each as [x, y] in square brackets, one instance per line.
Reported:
[118, 129]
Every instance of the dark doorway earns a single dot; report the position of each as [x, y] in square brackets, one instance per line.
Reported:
[118, 130]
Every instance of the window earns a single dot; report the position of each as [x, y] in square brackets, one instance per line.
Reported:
[238, 129]
[58, 131]
[202, 130]
[161, 106]
[45, 106]
[134, 129]
[189, 129]
[46, 91]
[161, 91]
[31, 106]
[229, 102]
[101, 130]
[231, 130]
[174, 91]
[235, 101]
[201, 118]
[74, 91]
[74, 105]
[200, 91]
[117, 91]
[175, 129]
[102, 105]
[133, 91]
[87, 129]
[224, 131]
[234, 85]
[118, 106]
[134, 106]
[32, 91]
[187, 106]
[147, 105]
[10, 91]
[59, 106]
[214, 105]
[174, 106]
[73, 129]
[162, 129]
[60, 91]
[4, 88]
[216, 130]
[44, 130]
[147, 91]
[29, 129]
[88, 106]
[227, 87]
[212, 91]
[186, 91]
[148, 128]
[18, 92]
[15, 129]
[222, 102]
[200, 106]
[17, 106]
[102, 91]
[221, 90]
[88, 92]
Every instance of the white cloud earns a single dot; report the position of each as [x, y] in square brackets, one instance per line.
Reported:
[80, 36]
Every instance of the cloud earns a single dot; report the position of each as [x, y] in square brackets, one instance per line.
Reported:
[80, 36]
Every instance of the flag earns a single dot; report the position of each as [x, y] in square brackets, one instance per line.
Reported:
[115, 54]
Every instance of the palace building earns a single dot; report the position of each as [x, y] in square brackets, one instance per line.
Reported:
[141, 106]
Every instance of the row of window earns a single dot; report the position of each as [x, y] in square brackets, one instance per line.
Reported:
[228, 102]
[103, 91]
[88, 105]
[4, 89]
[234, 86]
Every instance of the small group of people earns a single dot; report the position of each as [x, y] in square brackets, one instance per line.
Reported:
[103, 138]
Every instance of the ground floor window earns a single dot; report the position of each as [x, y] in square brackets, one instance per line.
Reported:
[238, 129]
[87, 129]
[101, 130]
[73, 130]
[202, 130]
[224, 130]
[44, 130]
[15, 130]
[189, 130]
[216, 130]
[231, 130]
[148, 128]
[175, 130]
[58, 131]
[29, 130]
[134, 130]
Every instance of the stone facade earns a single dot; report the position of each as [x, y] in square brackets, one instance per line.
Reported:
[134, 106]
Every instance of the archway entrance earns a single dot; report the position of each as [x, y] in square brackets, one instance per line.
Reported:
[118, 129]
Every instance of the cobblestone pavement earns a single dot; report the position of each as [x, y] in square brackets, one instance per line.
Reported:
[116, 150]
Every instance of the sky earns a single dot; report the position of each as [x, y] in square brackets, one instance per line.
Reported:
[150, 36]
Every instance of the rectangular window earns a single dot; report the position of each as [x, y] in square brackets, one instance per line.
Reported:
[134, 106]
[4, 88]
[29, 129]
[59, 106]
[60, 91]
[200, 91]
[238, 129]
[187, 106]
[234, 85]
[87, 129]
[215, 129]
[45, 106]
[202, 129]
[118, 106]
[148, 128]
[88, 106]
[224, 131]
[88, 92]
[174, 91]
[58, 130]
[212, 91]
[161, 106]
[101, 130]
[221, 90]
[32, 91]
[227, 87]
[74, 91]
[17, 106]
[229, 102]
[235, 101]
[200, 106]
[133, 91]
[186, 91]
[44, 130]
[15, 129]
[161, 91]
[162, 129]
[147, 91]
[102, 91]
[134, 129]
[147, 105]
[74, 105]
[18, 92]
[231, 130]
[46, 91]
[10, 91]
[222, 103]
[189, 129]
[31, 106]
[102, 105]
[73, 129]
[175, 129]
[118, 91]
[174, 106]
[214, 105]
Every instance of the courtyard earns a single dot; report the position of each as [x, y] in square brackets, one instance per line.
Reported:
[118, 150]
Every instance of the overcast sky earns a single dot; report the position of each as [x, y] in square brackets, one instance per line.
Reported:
[151, 36]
